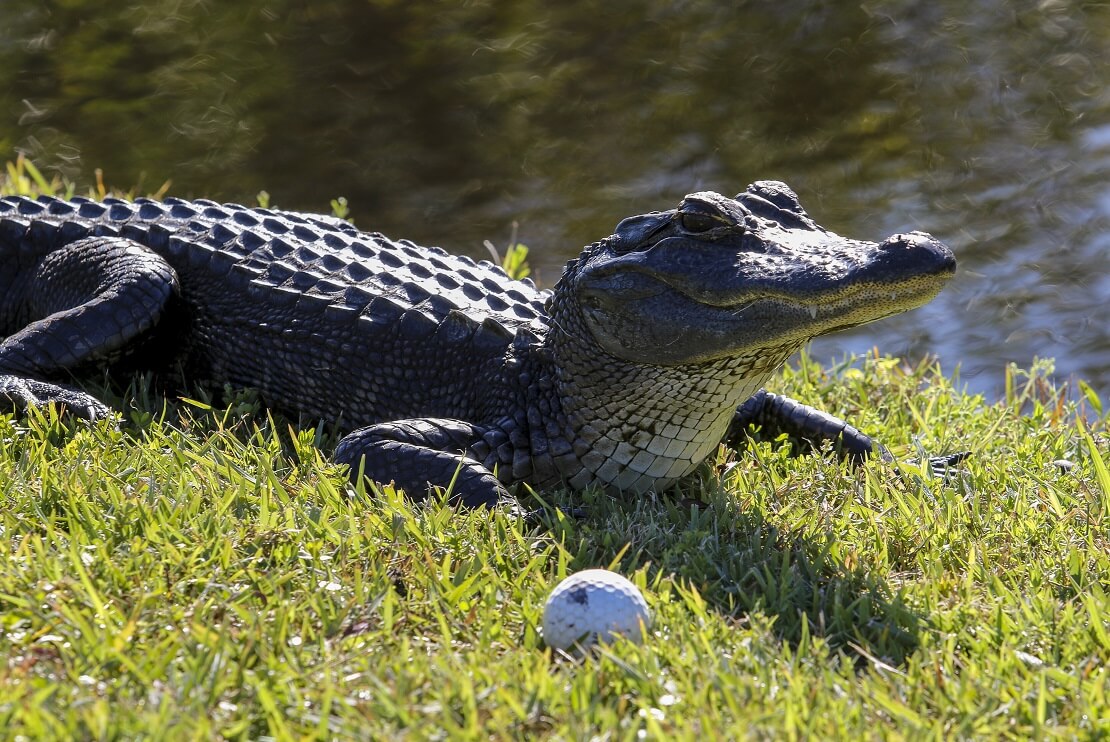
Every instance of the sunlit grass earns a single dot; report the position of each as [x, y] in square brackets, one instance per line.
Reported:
[215, 575]
[203, 571]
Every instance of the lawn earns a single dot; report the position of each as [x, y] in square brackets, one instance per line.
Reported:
[200, 570]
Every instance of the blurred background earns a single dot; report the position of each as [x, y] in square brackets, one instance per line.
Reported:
[986, 123]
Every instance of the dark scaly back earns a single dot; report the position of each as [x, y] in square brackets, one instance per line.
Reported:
[298, 305]
[324, 254]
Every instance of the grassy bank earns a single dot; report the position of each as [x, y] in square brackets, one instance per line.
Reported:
[205, 572]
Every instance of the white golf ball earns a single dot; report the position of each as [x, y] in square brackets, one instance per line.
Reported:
[594, 605]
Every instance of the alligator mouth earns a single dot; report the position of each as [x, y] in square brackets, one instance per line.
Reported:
[857, 305]
[674, 306]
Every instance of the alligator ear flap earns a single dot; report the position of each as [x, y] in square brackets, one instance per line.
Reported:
[636, 231]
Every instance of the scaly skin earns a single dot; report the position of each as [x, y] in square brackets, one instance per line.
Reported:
[652, 348]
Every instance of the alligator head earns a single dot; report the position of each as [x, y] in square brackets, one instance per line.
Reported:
[720, 278]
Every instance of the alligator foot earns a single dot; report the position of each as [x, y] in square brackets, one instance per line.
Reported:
[18, 394]
[419, 454]
[943, 466]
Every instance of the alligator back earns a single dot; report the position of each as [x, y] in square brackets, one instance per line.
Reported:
[322, 318]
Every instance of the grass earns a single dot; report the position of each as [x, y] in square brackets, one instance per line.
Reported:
[203, 571]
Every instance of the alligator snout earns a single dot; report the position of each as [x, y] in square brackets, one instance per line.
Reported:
[913, 253]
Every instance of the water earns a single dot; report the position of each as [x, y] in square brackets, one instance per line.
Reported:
[985, 123]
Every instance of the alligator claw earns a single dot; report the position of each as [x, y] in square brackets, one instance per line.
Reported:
[945, 466]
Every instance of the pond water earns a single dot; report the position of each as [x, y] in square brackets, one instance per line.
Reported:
[985, 123]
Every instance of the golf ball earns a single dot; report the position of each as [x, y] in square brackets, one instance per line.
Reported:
[594, 605]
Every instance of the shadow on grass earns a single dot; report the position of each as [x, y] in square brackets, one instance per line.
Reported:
[743, 561]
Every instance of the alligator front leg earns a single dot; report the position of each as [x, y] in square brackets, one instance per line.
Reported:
[808, 427]
[85, 302]
[421, 453]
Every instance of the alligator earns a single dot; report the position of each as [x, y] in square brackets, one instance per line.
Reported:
[651, 349]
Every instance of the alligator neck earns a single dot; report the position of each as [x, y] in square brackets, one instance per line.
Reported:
[634, 427]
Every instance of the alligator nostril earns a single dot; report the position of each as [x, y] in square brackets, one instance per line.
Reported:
[897, 242]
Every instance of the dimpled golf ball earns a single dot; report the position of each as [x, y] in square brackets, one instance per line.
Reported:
[594, 605]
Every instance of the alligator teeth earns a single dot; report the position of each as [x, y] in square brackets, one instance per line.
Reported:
[813, 311]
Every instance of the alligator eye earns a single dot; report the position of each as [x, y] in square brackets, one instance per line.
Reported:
[693, 221]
